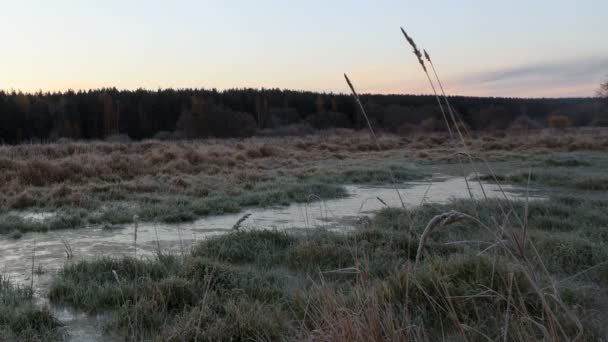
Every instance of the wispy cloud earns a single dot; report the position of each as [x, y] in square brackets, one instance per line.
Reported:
[551, 78]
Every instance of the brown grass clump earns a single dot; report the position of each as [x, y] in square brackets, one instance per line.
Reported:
[8, 164]
[558, 121]
[42, 172]
[23, 201]
[180, 182]
[269, 151]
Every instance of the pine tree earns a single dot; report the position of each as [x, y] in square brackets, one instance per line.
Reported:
[110, 116]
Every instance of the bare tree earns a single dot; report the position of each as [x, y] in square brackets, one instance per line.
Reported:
[603, 91]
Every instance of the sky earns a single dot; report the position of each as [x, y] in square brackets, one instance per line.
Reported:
[533, 48]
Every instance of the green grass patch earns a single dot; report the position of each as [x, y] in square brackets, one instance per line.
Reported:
[21, 320]
[260, 284]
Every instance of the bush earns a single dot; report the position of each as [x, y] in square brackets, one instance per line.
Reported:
[524, 123]
[558, 121]
[24, 200]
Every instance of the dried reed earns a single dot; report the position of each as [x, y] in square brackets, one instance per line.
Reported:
[374, 137]
[67, 248]
[438, 221]
[445, 118]
[238, 223]
[421, 62]
[33, 261]
[552, 325]
[135, 228]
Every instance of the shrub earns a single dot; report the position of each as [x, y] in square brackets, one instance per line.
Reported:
[24, 200]
[558, 121]
[523, 123]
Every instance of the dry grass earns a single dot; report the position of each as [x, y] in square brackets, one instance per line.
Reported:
[39, 166]
[96, 175]
[77, 163]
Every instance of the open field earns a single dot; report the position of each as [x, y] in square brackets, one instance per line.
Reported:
[488, 270]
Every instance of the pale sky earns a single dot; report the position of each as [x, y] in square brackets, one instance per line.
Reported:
[533, 48]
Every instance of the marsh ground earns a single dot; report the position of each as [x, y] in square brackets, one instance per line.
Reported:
[110, 183]
[511, 271]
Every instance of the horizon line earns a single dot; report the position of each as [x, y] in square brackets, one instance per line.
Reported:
[321, 92]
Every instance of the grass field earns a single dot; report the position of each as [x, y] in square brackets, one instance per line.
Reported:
[487, 269]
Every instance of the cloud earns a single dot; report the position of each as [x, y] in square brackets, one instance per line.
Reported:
[552, 78]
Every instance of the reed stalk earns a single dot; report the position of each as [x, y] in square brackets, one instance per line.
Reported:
[158, 250]
[418, 54]
[453, 114]
[374, 137]
[238, 223]
[33, 261]
[136, 220]
[553, 326]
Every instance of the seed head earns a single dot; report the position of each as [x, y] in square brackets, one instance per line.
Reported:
[427, 56]
[415, 47]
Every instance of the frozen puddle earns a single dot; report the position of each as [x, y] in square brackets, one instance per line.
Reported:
[91, 243]
[38, 217]
[338, 214]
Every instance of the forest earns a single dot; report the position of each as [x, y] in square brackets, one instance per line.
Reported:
[194, 113]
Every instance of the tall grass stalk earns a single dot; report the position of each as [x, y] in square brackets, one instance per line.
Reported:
[181, 240]
[124, 300]
[136, 220]
[453, 114]
[552, 326]
[418, 54]
[67, 248]
[158, 250]
[33, 261]
[238, 223]
[374, 137]
[421, 62]
[438, 221]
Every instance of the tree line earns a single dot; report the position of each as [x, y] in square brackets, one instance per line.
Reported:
[193, 113]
